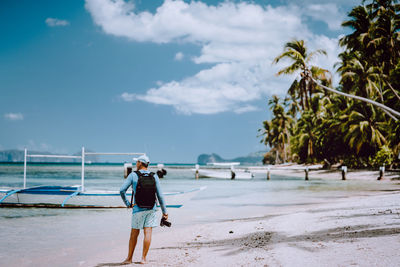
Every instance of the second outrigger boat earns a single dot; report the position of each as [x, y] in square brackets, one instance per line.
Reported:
[224, 173]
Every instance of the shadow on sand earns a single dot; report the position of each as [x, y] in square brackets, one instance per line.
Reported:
[264, 240]
[116, 264]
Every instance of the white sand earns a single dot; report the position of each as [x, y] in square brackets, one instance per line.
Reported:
[354, 231]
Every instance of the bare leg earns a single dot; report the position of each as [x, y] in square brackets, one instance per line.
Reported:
[132, 245]
[146, 242]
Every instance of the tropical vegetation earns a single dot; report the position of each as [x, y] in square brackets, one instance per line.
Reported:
[312, 124]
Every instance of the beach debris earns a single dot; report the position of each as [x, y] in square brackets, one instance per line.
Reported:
[306, 170]
[381, 172]
[231, 232]
[344, 171]
[161, 172]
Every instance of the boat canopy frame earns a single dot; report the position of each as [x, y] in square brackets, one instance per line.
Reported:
[82, 157]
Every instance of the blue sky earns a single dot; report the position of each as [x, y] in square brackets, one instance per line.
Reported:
[171, 78]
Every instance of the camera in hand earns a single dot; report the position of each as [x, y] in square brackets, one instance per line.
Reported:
[164, 222]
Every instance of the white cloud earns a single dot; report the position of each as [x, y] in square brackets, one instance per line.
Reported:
[14, 116]
[179, 56]
[239, 39]
[244, 109]
[53, 22]
[328, 13]
[128, 97]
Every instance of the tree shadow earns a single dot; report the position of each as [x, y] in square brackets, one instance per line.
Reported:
[116, 264]
[111, 264]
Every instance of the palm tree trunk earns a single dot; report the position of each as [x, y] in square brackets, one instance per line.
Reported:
[289, 150]
[310, 148]
[393, 90]
[310, 90]
[284, 153]
[388, 109]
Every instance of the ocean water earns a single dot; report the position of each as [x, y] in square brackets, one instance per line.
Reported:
[222, 195]
[46, 235]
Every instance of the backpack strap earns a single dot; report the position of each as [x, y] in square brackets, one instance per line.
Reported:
[138, 173]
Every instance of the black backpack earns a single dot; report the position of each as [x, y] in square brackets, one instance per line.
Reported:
[145, 196]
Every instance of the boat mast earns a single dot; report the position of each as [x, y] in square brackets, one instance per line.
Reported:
[25, 152]
[83, 170]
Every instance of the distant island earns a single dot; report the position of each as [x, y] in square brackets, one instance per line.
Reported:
[17, 156]
[253, 158]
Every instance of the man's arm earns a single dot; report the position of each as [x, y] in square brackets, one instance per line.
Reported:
[160, 196]
[124, 187]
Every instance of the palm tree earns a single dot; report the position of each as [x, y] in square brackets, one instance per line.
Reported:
[362, 128]
[296, 51]
[359, 77]
[276, 131]
[360, 21]
[385, 33]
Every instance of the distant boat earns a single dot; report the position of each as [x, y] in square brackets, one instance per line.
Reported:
[231, 173]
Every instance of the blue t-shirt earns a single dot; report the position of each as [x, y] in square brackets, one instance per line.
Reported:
[132, 180]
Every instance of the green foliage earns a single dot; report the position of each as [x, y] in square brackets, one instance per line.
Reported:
[269, 158]
[313, 125]
[383, 157]
[354, 161]
[276, 132]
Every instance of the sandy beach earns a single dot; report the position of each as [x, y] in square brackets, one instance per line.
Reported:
[358, 231]
[361, 230]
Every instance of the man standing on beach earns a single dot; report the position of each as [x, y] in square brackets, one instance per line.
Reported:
[146, 186]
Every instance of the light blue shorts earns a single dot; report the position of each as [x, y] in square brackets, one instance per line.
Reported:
[147, 218]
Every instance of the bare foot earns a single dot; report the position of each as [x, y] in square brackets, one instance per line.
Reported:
[126, 262]
[143, 261]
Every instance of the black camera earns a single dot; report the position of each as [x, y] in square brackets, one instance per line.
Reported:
[164, 222]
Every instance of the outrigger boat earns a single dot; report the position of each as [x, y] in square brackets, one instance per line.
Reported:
[76, 196]
[73, 197]
[231, 173]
